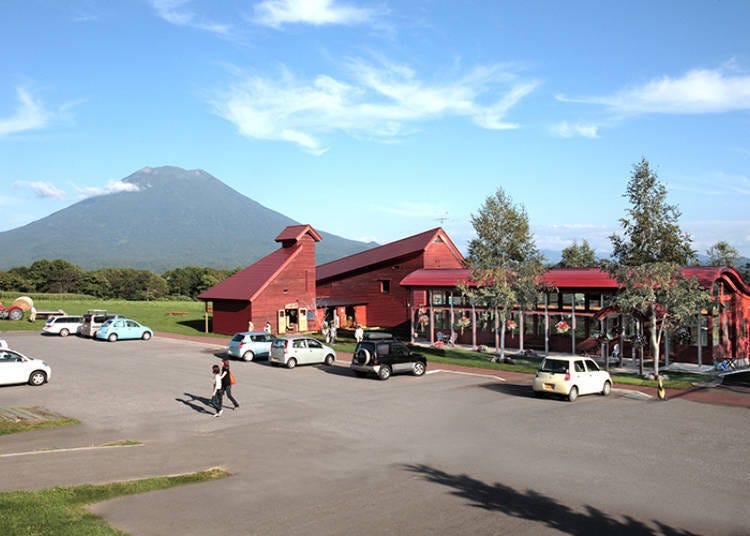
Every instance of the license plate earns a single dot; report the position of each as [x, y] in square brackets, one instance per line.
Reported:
[549, 386]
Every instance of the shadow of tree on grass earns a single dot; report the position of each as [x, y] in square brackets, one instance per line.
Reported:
[537, 507]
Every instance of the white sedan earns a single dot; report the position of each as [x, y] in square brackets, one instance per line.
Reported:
[17, 368]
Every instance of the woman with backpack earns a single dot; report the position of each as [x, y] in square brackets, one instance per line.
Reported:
[227, 380]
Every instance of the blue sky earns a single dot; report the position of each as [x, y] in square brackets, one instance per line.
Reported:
[375, 120]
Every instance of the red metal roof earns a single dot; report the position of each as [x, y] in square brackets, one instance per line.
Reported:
[387, 252]
[295, 232]
[246, 284]
[579, 278]
[573, 278]
[436, 277]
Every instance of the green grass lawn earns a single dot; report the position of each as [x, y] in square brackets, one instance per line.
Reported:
[150, 313]
[62, 511]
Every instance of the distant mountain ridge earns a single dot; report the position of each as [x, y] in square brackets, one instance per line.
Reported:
[172, 218]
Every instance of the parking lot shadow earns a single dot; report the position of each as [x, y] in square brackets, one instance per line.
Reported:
[512, 389]
[534, 506]
[195, 401]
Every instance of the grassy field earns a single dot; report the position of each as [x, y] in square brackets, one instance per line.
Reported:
[62, 511]
[151, 313]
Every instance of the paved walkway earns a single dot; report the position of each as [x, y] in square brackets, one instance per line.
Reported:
[710, 393]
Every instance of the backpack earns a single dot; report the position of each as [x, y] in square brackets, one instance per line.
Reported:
[231, 378]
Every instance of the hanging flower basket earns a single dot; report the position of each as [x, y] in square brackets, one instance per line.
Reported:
[562, 326]
[511, 325]
[463, 323]
[423, 321]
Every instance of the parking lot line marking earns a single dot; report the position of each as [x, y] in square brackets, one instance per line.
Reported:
[498, 378]
[71, 449]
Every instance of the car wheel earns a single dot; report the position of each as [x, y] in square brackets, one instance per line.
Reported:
[38, 377]
[573, 394]
[146, 336]
[291, 363]
[64, 332]
[607, 388]
[329, 360]
[384, 372]
[16, 314]
[360, 374]
[248, 356]
[419, 368]
[112, 338]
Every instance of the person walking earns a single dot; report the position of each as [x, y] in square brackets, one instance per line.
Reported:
[217, 396]
[359, 333]
[227, 381]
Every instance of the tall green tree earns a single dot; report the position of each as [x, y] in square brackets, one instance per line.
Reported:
[659, 294]
[722, 254]
[648, 257]
[651, 232]
[505, 262]
[575, 256]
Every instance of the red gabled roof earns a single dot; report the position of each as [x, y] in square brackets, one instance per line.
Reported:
[246, 284]
[295, 232]
[387, 252]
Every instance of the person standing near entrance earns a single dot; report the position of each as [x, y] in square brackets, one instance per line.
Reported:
[267, 329]
[226, 382]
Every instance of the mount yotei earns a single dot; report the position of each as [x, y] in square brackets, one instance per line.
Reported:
[168, 218]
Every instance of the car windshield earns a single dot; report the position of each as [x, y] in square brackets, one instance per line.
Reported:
[555, 366]
[107, 323]
[238, 338]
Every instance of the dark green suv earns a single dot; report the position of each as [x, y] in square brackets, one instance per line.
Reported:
[382, 355]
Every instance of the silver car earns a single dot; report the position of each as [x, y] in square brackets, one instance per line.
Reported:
[63, 325]
[247, 345]
[293, 351]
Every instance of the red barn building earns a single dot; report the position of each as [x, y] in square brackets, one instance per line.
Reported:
[365, 288]
[279, 288]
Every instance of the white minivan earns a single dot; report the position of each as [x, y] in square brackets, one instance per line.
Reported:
[63, 325]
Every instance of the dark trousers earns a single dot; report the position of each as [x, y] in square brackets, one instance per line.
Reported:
[218, 399]
[228, 391]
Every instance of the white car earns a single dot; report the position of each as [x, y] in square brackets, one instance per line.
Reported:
[570, 377]
[293, 351]
[63, 325]
[17, 368]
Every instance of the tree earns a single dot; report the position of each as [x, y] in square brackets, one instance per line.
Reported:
[651, 232]
[722, 254]
[647, 260]
[505, 262]
[659, 294]
[575, 256]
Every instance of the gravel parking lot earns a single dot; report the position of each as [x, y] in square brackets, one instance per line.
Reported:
[316, 450]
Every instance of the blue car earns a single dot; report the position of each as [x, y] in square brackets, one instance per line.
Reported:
[115, 329]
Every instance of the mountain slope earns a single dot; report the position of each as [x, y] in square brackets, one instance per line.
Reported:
[176, 218]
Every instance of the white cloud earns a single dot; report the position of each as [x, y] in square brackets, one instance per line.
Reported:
[42, 189]
[417, 209]
[175, 12]
[698, 91]
[276, 13]
[384, 101]
[30, 115]
[112, 187]
[568, 130]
